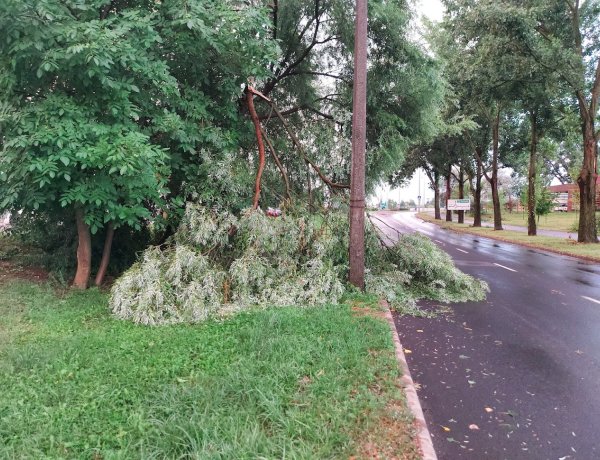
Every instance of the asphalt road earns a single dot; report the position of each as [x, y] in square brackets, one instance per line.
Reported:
[516, 376]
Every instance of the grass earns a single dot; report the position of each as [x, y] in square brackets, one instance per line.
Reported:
[564, 246]
[278, 383]
[558, 221]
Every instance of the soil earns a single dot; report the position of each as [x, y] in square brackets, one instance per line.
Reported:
[10, 271]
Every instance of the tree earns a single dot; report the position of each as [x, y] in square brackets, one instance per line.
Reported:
[568, 44]
[311, 84]
[103, 105]
[557, 42]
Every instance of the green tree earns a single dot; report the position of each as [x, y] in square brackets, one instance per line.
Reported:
[102, 104]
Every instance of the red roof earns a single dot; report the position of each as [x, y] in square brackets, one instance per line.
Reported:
[566, 187]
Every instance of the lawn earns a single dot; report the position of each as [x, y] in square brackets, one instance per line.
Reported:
[277, 383]
[559, 221]
[553, 244]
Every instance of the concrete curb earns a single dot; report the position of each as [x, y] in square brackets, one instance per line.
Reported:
[412, 399]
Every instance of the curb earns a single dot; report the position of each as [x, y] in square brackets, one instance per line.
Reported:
[412, 399]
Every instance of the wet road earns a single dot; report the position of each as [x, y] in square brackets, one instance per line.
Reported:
[518, 375]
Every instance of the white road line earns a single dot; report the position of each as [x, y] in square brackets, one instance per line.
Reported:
[590, 299]
[461, 250]
[505, 267]
[438, 241]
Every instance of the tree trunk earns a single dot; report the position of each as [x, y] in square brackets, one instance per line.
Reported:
[310, 193]
[531, 224]
[494, 181]
[477, 195]
[448, 193]
[587, 186]
[108, 239]
[84, 252]
[461, 193]
[436, 195]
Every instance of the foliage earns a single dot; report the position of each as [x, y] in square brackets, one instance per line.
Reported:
[219, 264]
[278, 383]
[219, 260]
[109, 106]
[544, 203]
[50, 240]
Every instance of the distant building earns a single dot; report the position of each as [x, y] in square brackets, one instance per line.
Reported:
[566, 196]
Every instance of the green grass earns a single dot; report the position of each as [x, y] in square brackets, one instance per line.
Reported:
[277, 383]
[559, 221]
[559, 245]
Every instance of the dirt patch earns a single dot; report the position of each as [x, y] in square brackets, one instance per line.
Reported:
[9, 271]
[367, 309]
[392, 437]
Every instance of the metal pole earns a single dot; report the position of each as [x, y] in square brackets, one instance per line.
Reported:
[359, 130]
[419, 195]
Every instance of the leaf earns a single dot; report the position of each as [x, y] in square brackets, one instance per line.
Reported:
[445, 428]
[65, 160]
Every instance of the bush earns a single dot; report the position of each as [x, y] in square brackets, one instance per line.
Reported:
[49, 240]
[217, 263]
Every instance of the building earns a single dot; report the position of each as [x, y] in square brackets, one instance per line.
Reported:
[566, 196]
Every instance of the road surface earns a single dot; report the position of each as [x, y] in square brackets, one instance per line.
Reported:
[516, 376]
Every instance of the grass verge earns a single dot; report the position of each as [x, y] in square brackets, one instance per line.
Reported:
[558, 221]
[563, 246]
[277, 383]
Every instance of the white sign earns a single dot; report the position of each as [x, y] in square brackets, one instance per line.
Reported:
[459, 205]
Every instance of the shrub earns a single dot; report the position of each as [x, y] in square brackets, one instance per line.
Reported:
[51, 242]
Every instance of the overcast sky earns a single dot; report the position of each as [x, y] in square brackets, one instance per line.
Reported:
[434, 10]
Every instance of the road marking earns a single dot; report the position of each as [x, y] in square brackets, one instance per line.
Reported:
[461, 250]
[505, 267]
[438, 241]
[590, 299]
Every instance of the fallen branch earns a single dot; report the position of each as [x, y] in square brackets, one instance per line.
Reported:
[298, 145]
[261, 146]
[278, 163]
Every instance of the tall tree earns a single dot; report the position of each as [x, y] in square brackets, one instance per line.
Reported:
[105, 103]
[568, 44]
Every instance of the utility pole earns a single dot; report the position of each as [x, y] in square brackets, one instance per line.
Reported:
[359, 140]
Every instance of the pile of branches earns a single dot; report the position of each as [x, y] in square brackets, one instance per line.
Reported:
[217, 264]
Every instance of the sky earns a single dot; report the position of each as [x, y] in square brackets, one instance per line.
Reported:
[433, 10]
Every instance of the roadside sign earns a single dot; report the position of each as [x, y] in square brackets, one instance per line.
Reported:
[459, 205]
